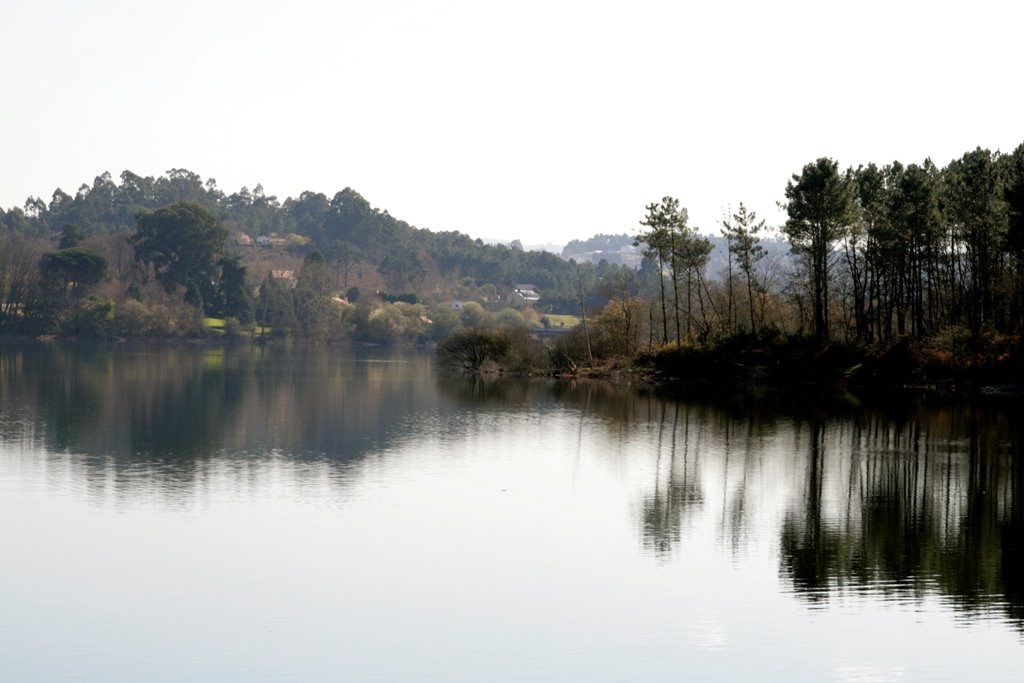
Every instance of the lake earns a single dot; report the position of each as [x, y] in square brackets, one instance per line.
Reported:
[294, 514]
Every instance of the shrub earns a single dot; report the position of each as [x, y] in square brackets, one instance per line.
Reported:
[444, 321]
[92, 318]
[469, 349]
[523, 353]
[131, 319]
[511, 318]
[233, 329]
[570, 351]
[473, 314]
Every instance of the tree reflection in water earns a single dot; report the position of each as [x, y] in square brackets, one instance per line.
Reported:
[901, 498]
[676, 486]
[167, 414]
[909, 499]
[911, 506]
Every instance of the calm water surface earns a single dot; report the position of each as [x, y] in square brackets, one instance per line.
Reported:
[327, 515]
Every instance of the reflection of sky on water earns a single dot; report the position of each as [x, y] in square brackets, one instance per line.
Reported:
[496, 531]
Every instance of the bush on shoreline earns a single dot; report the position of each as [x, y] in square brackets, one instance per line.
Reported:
[951, 361]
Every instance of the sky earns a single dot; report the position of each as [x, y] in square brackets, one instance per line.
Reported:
[538, 121]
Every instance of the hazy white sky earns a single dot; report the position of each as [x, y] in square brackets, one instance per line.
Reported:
[543, 121]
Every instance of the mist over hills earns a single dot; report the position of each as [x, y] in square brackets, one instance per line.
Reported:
[620, 250]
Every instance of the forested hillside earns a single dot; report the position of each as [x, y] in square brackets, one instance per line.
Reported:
[872, 255]
[345, 228]
[90, 263]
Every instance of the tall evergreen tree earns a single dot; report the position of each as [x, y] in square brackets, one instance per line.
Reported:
[976, 207]
[182, 243]
[665, 221]
[741, 232]
[820, 206]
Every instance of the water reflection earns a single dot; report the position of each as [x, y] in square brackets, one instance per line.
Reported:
[169, 413]
[911, 505]
[905, 499]
[894, 496]
[676, 484]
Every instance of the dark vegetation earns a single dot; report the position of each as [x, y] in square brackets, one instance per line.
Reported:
[152, 257]
[896, 275]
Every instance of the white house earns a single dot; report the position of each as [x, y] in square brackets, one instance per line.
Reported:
[523, 296]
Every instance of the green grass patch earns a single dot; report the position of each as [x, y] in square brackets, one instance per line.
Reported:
[215, 325]
[563, 320]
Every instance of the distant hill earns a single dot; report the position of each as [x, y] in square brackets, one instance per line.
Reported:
[619, 249]
[774, 248]
[614, 249]
[548, 247]
[352, 235]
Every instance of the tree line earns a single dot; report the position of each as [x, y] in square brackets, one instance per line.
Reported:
[345, 228]
[879, 253]
[70, 264]
[910, 250]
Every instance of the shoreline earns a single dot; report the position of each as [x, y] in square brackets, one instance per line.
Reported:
[792, 366]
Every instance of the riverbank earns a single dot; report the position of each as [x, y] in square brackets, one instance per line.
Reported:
[962, 365]
[954, 362]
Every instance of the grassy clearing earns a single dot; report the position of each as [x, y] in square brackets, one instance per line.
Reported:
[218, 327]
[563, 320]
[215, 325]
